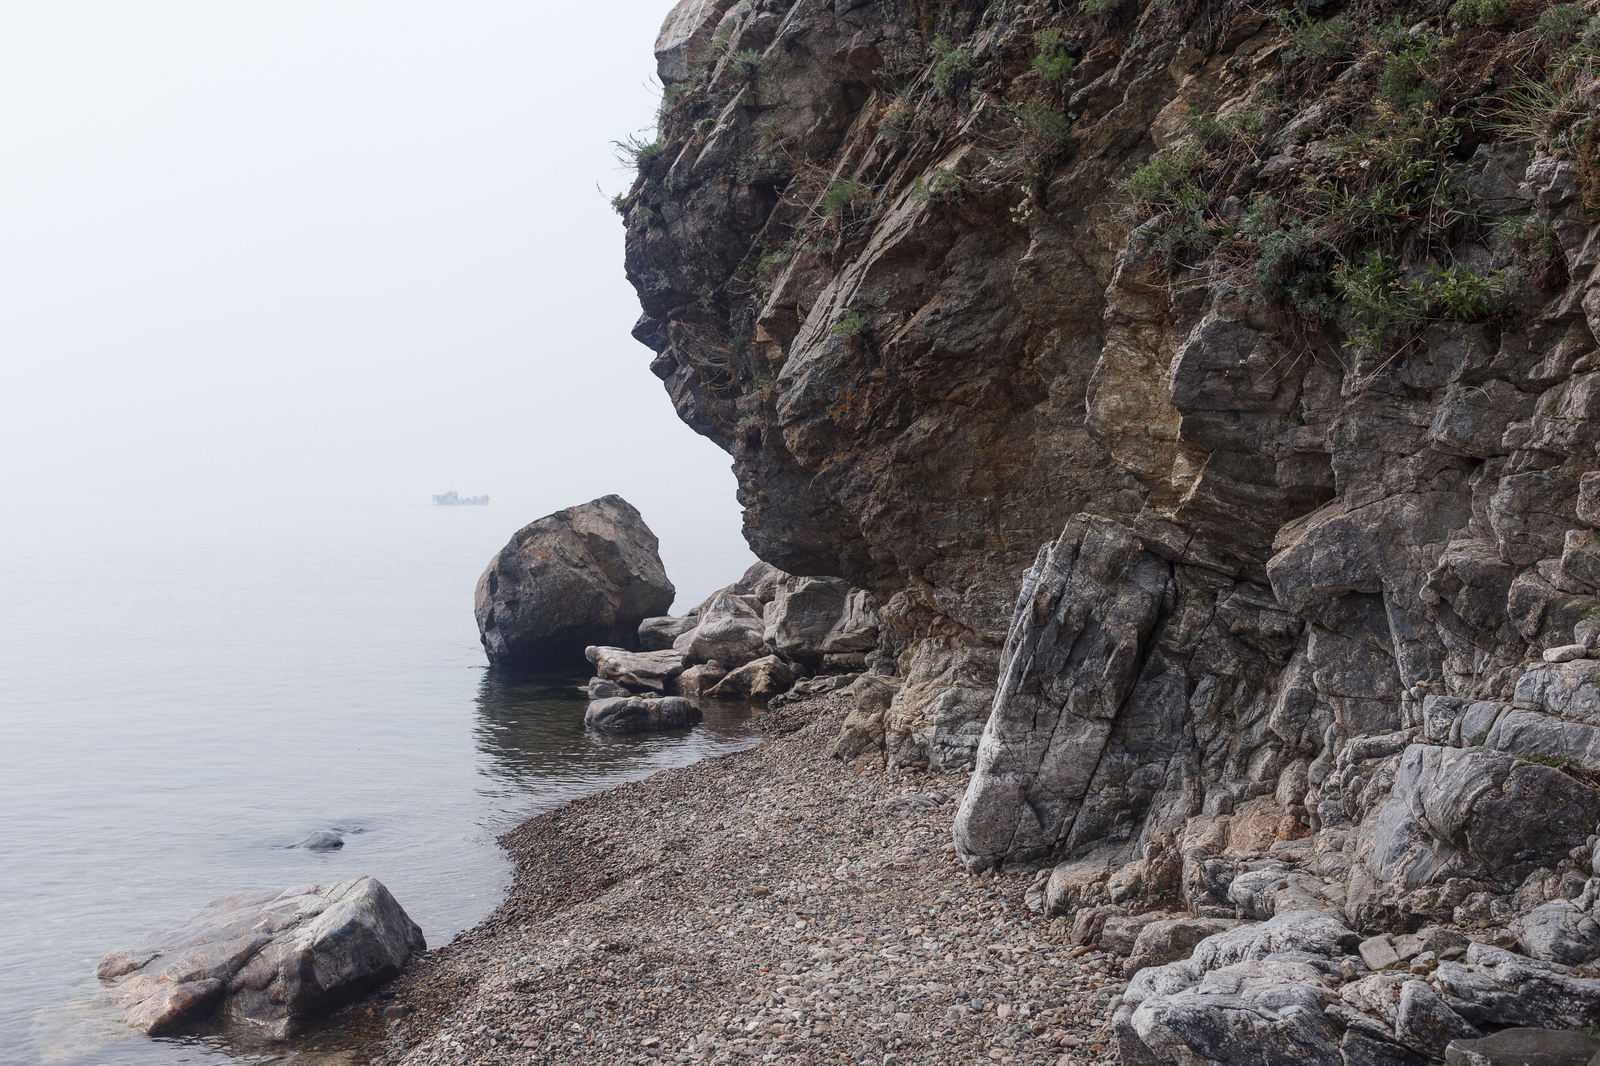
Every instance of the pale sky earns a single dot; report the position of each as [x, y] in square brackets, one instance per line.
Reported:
[315, 250]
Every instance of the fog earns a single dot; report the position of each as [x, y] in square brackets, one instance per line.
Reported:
[330, 252]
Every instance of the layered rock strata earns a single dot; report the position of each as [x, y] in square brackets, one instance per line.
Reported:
[1277, 359]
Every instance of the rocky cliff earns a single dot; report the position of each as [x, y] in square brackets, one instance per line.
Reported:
[1283, 315]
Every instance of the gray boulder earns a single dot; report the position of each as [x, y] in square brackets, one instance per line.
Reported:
[1170, 940]
[584, 576]
[762, 679]
[1563, 930]
[270, 961]
[635, 714]
[657, 634]
[700, 677]
[636, 669]
[1494, 988]
[813, 618]
[729, 631]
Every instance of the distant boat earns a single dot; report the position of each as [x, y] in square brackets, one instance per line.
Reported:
[450, 499]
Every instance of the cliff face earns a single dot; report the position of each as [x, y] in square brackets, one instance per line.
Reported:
[1286, 321]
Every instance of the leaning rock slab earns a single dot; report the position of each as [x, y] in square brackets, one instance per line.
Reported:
[586, 575]
[629, 714]
[271, 961]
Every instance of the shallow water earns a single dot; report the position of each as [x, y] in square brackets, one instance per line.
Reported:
[185, 694]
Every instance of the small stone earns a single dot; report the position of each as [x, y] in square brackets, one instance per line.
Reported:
[1565, 653]
[760, 891]
[1379, 953]
[322, 840]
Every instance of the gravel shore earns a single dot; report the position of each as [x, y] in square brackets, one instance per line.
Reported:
[772, 905]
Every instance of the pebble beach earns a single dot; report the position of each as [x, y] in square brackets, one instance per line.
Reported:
[772, 905]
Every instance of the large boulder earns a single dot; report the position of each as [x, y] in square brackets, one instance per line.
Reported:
[583, 576]
[813, 619]
[270, 961]
[729, 631]
[634, 714]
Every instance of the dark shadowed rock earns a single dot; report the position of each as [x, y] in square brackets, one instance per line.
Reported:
[322, 840]
[1524, 1047]
[583, 576]
[271, 961]
[601, 688]
[635, 714]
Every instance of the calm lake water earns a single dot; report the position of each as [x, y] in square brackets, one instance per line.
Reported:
[186, 693]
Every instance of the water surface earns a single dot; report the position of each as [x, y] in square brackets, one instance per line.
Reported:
[185, 693]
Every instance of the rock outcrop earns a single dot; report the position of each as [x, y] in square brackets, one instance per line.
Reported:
[1210, 403]
[265, 963]
[584, 576]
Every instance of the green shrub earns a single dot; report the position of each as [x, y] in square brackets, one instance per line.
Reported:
[1094, 7]
[1464, 295]
[637, 152]
[850, 325]
[745, 62]
[1159, 179]
[1406, 83]
[843, 193]
[1562, 23]
[1051, 61]
[953, 65]
[1331, 39]
[1480, 12]
[621, 202]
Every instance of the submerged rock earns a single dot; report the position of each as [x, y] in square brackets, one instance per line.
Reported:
[634, 714]
[269, 961]
[584, 576]
[322, 840]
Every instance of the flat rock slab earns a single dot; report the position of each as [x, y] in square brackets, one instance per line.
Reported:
[269, 961]
[1524, 1047]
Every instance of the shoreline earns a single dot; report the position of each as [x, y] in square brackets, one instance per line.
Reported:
[766, 905]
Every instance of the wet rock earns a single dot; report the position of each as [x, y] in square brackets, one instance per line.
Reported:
[322, 840]
[600, 688]
[271, 962]
[634, 714]
[584, 576]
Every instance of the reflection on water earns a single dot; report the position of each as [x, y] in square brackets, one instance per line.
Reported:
[539, 755]
[243, 679]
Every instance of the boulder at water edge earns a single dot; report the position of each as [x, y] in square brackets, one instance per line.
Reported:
[584, 576]
[635, 714]
[271, 961]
